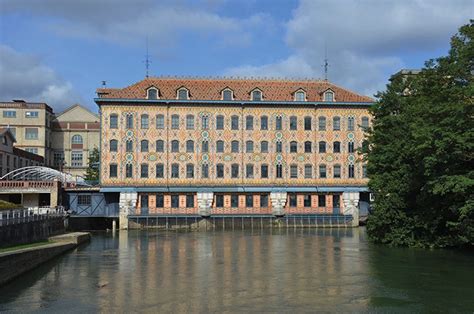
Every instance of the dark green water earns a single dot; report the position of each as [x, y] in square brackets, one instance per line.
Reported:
[247, 271]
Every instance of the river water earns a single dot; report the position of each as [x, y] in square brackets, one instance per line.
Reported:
[299, 270]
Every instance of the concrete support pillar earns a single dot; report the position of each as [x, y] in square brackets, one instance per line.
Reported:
[204, 201]
[127, 204]
[54, 195]
[278, 200]
[351, 206]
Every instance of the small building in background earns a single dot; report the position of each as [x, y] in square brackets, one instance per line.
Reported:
[75, 133]
[12, 157]
[30, 124]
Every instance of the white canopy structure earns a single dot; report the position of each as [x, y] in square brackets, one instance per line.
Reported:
[39, 173]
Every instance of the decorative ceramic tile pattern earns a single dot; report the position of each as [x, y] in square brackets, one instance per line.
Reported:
[212, 158]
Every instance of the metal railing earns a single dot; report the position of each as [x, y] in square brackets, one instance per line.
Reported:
[18, 216]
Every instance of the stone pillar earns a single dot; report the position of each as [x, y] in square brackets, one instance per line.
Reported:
[351, 206]
[204, 200]
[127, 203]
[54, 195]
[278, 200]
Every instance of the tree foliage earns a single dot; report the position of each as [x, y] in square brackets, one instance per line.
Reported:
[420, 153]
[92, 172]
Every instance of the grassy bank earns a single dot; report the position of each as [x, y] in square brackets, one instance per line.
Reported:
[24, 246]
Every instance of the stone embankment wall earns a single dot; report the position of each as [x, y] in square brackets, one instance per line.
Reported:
[15, 263]
[29, 231]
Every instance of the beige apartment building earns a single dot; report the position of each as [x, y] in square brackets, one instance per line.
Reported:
[63, 140]
[76, 133]
[30, 124]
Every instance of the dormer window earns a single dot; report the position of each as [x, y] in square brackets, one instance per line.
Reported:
[329, 95]
[257, 95]
[152, 93]
[300, 96]
[227, 94]
[183, 94]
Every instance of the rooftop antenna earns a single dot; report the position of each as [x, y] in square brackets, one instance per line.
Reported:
[147, 59]
[104, 83]
[326, 62]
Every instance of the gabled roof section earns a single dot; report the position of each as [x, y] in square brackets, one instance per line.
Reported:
[210, 89]
[77, 112]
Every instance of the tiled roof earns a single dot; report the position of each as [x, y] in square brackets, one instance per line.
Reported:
[210, 89]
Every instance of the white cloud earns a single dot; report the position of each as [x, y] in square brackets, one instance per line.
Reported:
[125, 22]
[366, 40]
[23, 76]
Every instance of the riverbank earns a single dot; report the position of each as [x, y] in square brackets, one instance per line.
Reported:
[19, 260]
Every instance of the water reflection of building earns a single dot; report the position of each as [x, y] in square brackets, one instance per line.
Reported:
[233, 146]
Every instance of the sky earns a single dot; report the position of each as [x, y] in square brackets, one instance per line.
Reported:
[59, 51]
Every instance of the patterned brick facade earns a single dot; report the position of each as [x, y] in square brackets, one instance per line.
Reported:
[137, 119]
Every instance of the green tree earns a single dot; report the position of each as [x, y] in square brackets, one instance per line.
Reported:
[92, 172]
[420, 153]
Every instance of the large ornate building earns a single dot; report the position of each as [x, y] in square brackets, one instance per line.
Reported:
[233, 146]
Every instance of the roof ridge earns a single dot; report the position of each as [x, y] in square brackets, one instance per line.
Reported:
[237, 78]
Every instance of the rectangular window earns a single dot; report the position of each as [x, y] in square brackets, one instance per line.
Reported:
[112, 171]
[84, 200]
[9, 113]
[31, 114]
[129, 121]
[351, 171]
[175, 171]
[160, 121]
[337, 171]
[160, 171]
[249, 123]
[219, 123]
[160, 200]
[364, 171]
[76, 159]
[322, 171]
[293, 123]
[189, 200]
[174, 200]
[219, 200]
[205, 171]
[263, 200]
[279, 171]
[293, 171]
[350, 147]
[31, 133]
[235, 171]
[113, 121]
[205, 147]
[234, 200]
[350, 124]
[307, 200]
[189, 122]
[307, 123]
[308, 171]
[264, 171]
[144, 171]
[205, 122]
[321, 200]
[249, 200]
[278, 123]
[234, 123]
[175, 122]
[189, 171]
[264, 123]
[220, 170]
[129, 171]
[279, 147]
[292, 200]
[249, 171]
